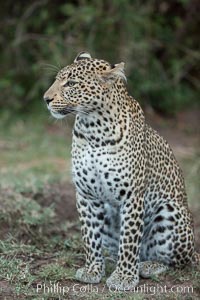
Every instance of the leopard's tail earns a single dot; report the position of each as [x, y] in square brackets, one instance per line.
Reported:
[196, 258]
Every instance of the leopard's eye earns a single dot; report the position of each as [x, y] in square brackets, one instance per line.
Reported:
[70, 83]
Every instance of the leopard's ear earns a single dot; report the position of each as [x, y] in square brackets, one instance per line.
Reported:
[110, 76]
[82, 55]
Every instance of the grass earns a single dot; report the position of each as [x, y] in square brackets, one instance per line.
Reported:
[40, 244]
[191, 169]
[32, 151]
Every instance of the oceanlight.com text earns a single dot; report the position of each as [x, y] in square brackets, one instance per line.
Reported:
[55, 288]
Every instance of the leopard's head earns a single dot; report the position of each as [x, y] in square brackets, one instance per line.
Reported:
[80, 86]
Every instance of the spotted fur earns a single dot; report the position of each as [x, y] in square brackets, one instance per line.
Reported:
[131, 194]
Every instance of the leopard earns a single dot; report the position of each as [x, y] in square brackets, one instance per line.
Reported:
[130, 191]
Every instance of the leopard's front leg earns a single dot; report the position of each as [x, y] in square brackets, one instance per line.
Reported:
[91, 217]
[126, 274]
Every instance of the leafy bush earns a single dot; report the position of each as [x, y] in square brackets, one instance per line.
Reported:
[157, 39]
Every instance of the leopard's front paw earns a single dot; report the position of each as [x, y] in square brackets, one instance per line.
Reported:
[120, 282]
[89, 276]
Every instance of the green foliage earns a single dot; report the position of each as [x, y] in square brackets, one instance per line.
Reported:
[158, 40]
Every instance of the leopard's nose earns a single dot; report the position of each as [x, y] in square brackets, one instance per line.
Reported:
[47, 100]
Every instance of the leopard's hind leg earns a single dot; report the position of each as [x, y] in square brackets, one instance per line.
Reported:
[111, 231]
[151, 268]
[168, 239]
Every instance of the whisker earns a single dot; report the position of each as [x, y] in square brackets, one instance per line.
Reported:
[87, 109]
[65, 121]
[76, 109]
[50, 68]
[44, 65]
[82, 112]
[83, 109]
[59, 65]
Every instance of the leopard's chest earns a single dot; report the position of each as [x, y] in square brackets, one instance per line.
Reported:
[100, 173]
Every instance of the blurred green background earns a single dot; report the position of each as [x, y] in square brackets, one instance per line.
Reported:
[157, 39]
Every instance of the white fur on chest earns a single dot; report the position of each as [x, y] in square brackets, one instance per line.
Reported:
[96, 172]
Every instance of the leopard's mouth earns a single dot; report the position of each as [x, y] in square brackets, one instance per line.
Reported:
[57, 115]
[61, 113]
